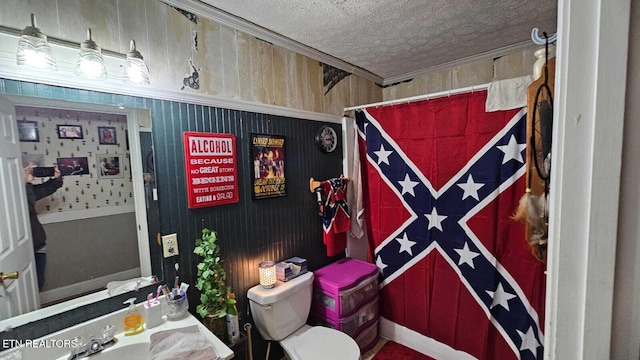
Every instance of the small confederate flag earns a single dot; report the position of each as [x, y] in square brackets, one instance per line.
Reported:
[441, 179]
[335, 218]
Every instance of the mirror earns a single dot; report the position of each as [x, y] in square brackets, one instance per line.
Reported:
[98, 224]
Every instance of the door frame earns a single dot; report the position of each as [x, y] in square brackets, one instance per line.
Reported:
[585, 183]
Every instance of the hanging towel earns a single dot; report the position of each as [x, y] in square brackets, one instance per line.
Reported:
[508, 94]
[335, 219]
[355, 196]
[186, 343]
[357, 244]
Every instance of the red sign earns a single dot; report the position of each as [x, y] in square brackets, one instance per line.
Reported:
[212, 174]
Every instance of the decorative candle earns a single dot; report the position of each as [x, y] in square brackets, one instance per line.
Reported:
[267, 274]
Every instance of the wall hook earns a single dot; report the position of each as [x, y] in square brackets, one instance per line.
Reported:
[541, 41]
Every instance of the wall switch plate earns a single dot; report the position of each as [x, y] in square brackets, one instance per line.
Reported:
[170, 245]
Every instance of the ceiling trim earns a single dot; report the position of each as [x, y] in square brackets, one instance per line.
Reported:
[492, 54]
[210, 12]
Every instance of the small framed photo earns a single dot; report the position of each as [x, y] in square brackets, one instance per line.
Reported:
[28, 131]
[70, 132]
[73, 166]
[107, 135]
[109, 166]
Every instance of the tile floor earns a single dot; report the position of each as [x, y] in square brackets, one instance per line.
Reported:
[369, 354]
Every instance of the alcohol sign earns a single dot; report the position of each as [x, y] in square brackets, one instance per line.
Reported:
[212, 173]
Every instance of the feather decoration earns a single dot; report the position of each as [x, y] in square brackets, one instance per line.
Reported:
[521, 213]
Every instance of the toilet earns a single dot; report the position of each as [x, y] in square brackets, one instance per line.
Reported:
[281, 314]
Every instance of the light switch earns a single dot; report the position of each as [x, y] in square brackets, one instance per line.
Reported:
[170, 245]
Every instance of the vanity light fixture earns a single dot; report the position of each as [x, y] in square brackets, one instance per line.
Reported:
[90, 62]
[135, 69]
[33, 48]
[267, 274]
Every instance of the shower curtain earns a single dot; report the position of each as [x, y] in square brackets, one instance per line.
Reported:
[441, 179]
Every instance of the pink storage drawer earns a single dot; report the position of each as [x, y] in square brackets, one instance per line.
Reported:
[351, 325]
[342, 287]
[368, 337]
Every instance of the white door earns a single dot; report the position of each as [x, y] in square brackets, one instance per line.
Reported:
[17, 296]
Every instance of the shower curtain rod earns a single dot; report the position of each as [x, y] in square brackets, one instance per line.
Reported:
[421, 97]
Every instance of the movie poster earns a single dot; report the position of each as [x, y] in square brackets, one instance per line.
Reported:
[268, 154]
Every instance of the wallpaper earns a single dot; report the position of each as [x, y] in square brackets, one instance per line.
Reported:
[90, 149]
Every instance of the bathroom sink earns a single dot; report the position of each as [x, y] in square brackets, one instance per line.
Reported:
[127, 347]
[136, 351]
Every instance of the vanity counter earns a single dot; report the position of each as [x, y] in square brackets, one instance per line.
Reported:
[58, 345]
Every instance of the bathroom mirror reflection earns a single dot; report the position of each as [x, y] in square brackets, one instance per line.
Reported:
[100, 222]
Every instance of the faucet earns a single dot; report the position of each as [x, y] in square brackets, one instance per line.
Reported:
[93, 346]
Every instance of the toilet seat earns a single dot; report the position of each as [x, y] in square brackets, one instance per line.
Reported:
[320, 343]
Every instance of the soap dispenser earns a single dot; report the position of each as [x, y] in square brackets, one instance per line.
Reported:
[133, 323]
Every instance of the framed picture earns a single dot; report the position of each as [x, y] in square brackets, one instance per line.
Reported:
[269, 160]
[73, 166]
[109, 166]
[70, 132]
[28, 131]
[107, 135]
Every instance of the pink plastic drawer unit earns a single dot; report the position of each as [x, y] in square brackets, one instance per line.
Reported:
[353, 324]
[342, 287]
[368, 337]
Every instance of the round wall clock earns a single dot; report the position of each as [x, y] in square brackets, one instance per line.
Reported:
[327, 139]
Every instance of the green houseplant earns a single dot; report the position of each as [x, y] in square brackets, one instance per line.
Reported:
[211, 283]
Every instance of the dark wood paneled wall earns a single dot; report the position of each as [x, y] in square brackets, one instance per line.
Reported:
[249, 231]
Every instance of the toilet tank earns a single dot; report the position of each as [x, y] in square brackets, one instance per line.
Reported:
[280, 311]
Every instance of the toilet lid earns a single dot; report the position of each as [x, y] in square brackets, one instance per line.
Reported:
[320, 343]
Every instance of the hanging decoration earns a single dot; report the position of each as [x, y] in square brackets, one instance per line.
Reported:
[331, 196]
[533, 209]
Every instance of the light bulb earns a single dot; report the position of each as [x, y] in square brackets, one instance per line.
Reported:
[135, 69]
[90, 62]
[33, 48]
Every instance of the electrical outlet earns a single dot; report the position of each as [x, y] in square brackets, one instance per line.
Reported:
[170, 245]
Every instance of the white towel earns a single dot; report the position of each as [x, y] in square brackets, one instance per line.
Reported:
[508, 94]
[356, 194]
[187, 343]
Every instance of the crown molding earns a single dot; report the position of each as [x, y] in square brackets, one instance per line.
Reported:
[492, 54]
[202, 9]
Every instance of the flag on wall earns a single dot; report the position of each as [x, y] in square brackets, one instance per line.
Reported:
[441, 178]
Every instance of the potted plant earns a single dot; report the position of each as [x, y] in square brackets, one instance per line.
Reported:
[211, 283]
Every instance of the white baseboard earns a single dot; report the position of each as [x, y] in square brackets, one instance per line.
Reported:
[418, 342]
[87, 285]
[56, 217]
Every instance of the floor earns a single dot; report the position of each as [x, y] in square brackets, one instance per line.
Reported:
[369, 354]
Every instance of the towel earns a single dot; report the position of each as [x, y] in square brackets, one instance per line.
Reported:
[508, 94]
[335, 219]
[121, 287]
[183, 343]
[356, 195]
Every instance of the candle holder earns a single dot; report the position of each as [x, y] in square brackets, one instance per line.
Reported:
[267, 274]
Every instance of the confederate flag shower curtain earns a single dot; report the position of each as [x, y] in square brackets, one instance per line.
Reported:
[441, 179]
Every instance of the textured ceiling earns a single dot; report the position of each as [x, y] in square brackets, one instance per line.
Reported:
[391, 38]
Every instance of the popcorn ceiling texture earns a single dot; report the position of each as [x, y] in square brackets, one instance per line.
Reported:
[395, 37]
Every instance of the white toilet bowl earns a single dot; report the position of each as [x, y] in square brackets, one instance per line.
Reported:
[320, 343]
